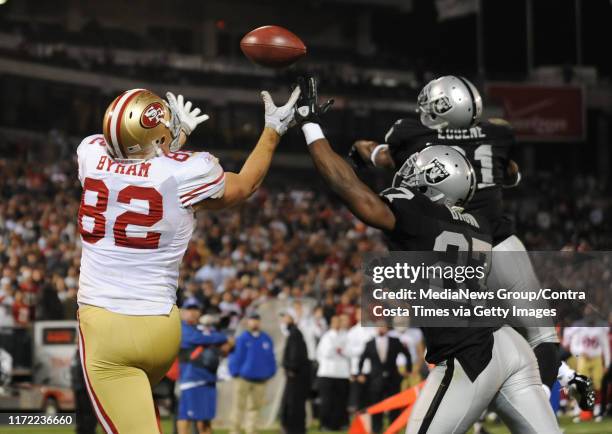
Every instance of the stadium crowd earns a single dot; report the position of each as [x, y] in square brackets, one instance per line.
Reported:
[284, 243]
[296, 244]
[94, 49]
[310, 249]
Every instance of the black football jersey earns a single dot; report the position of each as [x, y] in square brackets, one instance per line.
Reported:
[422, 225]
[486, 145]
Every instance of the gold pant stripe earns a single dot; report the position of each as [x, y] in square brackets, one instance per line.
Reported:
[103, 419]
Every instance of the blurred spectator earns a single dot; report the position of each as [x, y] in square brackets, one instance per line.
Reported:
[209, 272]
[230, 311]
[199, 359]
[329, 307]
[252, 364]
[384, 379]
[356, 340]
[333, 376]
[6, 303]
[70, 304]
[49, 306]
[347, 307]
[412, 339]
[297, 372]
[312, 326]
[21, 311]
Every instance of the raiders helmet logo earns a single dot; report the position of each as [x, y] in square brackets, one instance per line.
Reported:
[442, 105]
[152, 115]
[436, 173]
[303, 111]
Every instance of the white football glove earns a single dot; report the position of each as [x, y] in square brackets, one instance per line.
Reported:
[279, 118]
[188, 118]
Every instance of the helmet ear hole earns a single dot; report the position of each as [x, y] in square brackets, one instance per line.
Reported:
[130, 115]
[163, 140]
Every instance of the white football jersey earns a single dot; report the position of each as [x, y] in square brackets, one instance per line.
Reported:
[135, 220]
[588, 341]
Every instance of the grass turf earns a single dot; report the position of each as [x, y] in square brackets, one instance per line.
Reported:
[605, 427]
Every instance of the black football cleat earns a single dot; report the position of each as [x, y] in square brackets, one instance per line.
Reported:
[582, 388]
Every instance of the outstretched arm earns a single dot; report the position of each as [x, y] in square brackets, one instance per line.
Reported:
[240, 186]
[371, 153]
[338, 174]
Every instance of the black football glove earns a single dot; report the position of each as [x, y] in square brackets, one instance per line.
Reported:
[581, 387]
[307, 108]
[354, 157]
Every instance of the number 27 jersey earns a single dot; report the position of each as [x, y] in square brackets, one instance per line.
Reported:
[136, 220]
[456, 239]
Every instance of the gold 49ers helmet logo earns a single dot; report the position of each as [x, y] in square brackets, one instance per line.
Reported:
[152, 115]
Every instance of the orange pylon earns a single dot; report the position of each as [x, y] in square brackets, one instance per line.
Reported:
[400, 422]
[402, 399]
[362, 423]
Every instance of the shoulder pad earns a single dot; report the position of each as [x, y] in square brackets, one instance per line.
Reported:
[499, 121]
[497, 126]
[95, 140]
[404, 130]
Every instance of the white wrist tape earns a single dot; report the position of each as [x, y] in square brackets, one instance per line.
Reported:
[312, 132]
[375, 152]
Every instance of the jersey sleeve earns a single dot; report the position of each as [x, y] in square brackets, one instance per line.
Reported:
[502, 140]
[202, 177]
[406, 137]
[500, 132]
[401, 132]
[88, 145]
[406, 206]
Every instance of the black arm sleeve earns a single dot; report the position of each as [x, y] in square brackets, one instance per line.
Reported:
[549, 362]
[407, 207]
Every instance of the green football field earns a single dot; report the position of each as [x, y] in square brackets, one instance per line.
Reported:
[604, 427]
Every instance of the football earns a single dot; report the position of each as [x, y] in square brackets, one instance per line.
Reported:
[272, 46]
